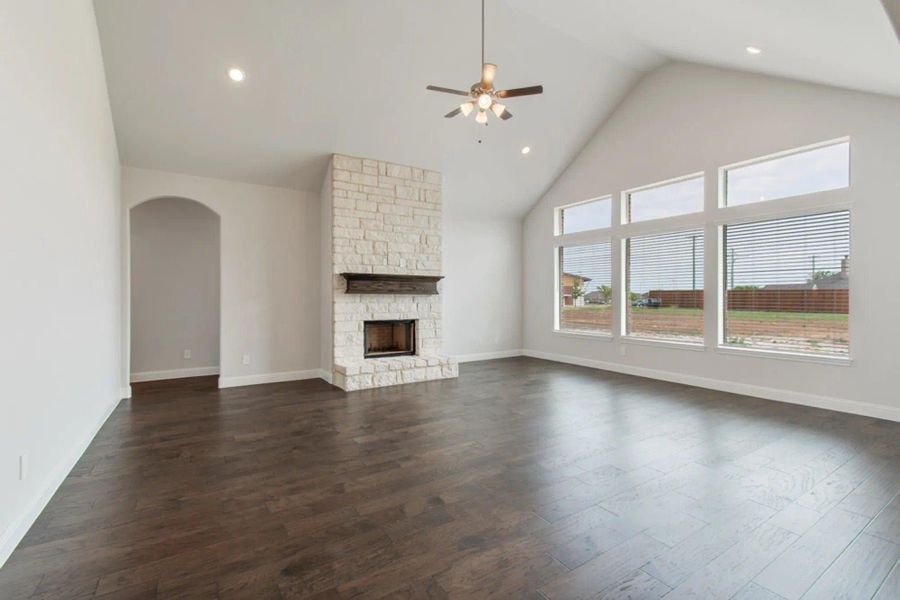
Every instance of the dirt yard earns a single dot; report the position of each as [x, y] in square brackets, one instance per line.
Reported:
[790, 332]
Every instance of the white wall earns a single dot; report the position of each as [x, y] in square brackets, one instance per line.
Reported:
[687, 118]
[59, 251]
[174, 289]
[482, 286]
[269, 271]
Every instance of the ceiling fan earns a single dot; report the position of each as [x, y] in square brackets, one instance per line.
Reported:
[482, 93]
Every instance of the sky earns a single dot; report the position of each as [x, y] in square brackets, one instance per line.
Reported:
[679, 198]
[814, 171]
[596, 214]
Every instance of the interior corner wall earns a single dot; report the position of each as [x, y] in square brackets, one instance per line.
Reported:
[59, 253]
[269, 293]
[174, 289]
[482, 289]
[684, 118]
[326, 278]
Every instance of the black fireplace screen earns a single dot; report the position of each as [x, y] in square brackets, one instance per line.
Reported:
[389, 338]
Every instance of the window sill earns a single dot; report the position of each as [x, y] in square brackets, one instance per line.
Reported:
[606, 337]
[639, 341]
[774, 354]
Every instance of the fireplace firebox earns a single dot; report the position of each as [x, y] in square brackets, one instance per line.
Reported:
[389, 338]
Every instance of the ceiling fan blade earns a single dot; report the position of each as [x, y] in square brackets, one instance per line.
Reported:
[453, 113]
[506, 115]
[525, 91]
[436, 88]
[488, 72]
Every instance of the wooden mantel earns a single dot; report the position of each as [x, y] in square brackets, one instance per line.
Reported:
[377, 283]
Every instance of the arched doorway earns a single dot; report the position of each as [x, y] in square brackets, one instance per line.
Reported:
[174, 289]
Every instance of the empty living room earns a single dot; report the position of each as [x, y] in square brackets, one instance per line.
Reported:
[425, 299]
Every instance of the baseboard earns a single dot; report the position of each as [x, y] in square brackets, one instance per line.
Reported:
[325, 374]
[464, 358]
[174, 374]
[837, 404]
[19, 527]
[229, 382]
[125, 392]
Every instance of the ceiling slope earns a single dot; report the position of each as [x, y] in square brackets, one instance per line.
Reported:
[845, 43]
[349, 76]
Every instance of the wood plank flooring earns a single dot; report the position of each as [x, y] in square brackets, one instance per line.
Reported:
[522, 479]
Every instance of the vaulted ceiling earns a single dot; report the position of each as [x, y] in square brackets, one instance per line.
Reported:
[349, 76]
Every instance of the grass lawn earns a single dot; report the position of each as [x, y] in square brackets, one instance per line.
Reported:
[743, 314]
[786, 316]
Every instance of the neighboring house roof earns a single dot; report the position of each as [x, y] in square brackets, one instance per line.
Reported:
[595, 295]
[581, 277]
[788, 286]
[835, 281]
[838, 281]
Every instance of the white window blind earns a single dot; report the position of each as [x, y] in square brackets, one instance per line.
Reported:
[665, 286]
[585, 288]
[787, 284]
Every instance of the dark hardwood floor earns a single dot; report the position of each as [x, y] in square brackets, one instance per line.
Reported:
[522, 479]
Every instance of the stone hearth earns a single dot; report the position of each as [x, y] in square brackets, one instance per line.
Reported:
[384, 219]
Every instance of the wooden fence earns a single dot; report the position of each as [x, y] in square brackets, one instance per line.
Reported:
[816, 301]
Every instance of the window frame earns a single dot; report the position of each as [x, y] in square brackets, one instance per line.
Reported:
[712, 219]
[626, 198]
[557, 300]
[723, 171]
[625, 301]
[721, 282]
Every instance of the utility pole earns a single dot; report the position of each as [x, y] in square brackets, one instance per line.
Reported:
[812, 277]
[731, 270]
[693, 262]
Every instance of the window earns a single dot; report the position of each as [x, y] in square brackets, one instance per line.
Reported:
[585, 288]
[783, 286]
[816, 170]
[664, 276]
[787, 284]
[665, 200]
[584, 216]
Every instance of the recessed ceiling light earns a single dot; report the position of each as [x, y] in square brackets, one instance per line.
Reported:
[753, 50]
[235, 74]
[526, 149]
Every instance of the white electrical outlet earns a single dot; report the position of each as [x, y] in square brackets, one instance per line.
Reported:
[23, 467]
[187, 354]
[246, 359]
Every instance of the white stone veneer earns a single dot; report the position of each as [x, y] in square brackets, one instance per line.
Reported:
[386, 218]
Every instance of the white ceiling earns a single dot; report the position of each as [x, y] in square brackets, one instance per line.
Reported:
[348, 76]
[847, 43]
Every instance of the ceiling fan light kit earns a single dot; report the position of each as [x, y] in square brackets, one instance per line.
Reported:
[483, 94]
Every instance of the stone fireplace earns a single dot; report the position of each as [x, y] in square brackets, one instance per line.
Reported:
[383, 262]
